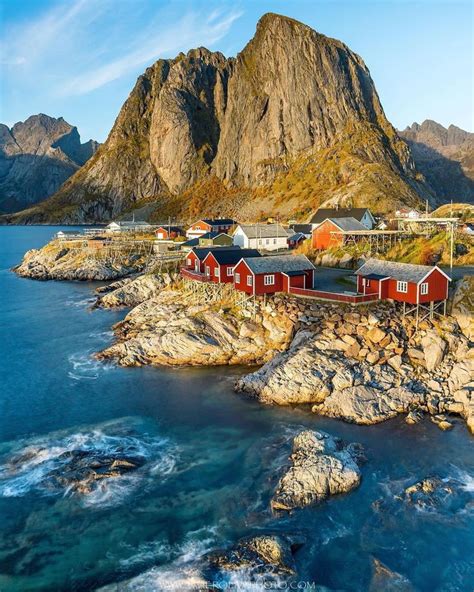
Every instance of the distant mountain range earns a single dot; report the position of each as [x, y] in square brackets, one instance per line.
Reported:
[293, 122]
[36, 157]
[445, 157]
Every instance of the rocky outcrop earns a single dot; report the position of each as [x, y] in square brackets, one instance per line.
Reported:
[366, 368]
[259, 554]
[36, 157]
[169, 329]
[445, 156]
[205, 133]
[57, 261]
[322, 466]
[131, 292]
[462, 308]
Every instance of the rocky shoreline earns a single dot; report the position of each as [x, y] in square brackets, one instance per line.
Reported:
[363, 365]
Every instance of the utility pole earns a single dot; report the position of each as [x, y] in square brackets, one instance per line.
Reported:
[452, 248]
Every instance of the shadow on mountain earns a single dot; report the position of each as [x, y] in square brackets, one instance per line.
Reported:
[26, 179]
[445, 175]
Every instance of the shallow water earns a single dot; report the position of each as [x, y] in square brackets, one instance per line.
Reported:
[211, 461]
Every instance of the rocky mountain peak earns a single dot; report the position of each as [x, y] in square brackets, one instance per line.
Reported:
[292, 122]
[36, 156]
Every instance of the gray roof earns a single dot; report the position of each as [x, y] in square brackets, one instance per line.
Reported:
[274, 264]
[264, 230]
[348, 224]
[406, 272]
[323, 213]
[126, 223]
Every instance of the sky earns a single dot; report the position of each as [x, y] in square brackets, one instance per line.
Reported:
[79, 59]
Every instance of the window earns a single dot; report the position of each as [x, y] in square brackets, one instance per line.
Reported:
[424, 289]
[274, 241]
[366, 282]
[189, 262]
[267, 241]
[216, 272]
[249, 280]
[269, 280]
[230, 271]
[402, 287]
[237, 278]
[208, 270]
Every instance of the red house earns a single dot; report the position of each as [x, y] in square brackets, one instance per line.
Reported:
[332, 231]
[195, 258]
[403, 282]
[168, 232]
[206, 225]
[219, 263]
[267, 275]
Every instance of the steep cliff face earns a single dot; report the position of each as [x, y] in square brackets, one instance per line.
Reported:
[445, 156]
[36, 157]
[292, 122]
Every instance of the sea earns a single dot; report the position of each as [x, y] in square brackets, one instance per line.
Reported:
[211, 459]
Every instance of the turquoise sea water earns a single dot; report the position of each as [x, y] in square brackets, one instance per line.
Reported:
[212, 460]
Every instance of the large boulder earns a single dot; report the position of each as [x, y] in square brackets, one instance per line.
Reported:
[434, 348]
[321, 466]
[463, 306]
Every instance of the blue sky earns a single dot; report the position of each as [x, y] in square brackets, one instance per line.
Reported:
[80, 58]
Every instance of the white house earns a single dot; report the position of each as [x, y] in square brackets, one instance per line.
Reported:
[128, 226]
[408, 214]
[268, 237]
[362, 215]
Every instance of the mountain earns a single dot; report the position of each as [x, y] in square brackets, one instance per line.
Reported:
[36, 157]
[292, 122]
[445, 157]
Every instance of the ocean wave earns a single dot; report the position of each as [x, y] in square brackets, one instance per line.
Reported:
[183, 572]
[71, 465]
[79, 303]
[85, 367]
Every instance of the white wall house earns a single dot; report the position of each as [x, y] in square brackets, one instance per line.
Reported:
[267, 237]
[362, 215]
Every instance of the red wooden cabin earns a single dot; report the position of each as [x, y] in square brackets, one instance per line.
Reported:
[403, 282]
[332, 231]
[219, 263]
[267, 275]
[195, 258]
[168, 232]
[206, 225]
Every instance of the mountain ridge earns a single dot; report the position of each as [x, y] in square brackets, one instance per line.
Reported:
[36, 156]
[445, 156]
[293, 121]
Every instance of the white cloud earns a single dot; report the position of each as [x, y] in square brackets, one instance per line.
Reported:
[79, 46]
[187, 32]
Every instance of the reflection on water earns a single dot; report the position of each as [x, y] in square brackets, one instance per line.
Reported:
[205, 462]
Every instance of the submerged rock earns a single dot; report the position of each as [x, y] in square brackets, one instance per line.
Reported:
[386, 580]
[261, 554]
[321, 466]
[82, 470]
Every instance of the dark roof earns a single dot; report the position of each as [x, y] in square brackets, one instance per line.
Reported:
[406, 272]
[229, 257]
[218, 221]
[283, 263]
[376, 276]
[323, 213]
[213, 234]
[348, 224]
[304, 228]
[297, 236]
[192, 242]
[201, 252]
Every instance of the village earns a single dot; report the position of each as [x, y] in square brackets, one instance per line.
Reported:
[263, 259]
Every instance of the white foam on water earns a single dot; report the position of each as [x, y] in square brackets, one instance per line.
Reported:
[28, 468]
[85, 367]
[182, 573]
[79, 303]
